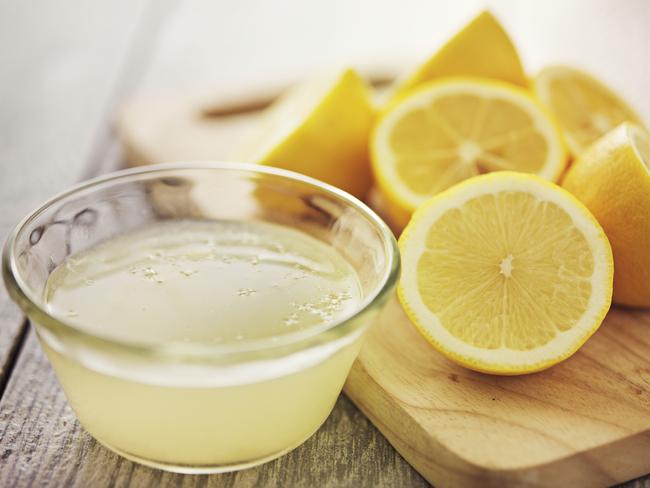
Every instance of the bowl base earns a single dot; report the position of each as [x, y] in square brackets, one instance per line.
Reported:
[202, 468]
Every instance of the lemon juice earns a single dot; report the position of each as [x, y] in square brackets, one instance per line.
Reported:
[193, 285]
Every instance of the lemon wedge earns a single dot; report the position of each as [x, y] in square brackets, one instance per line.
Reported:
[481, 48]
[319, 128]
[585, 108]
[455, 128]
[612, 178]
[505, 273]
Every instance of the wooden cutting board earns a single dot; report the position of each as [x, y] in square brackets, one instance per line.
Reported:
[583, 423]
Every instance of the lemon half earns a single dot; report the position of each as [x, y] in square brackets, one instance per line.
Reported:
[585, 108]
[455, 128]
[505, 273]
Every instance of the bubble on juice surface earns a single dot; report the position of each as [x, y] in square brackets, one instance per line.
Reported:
[292, 319]
[320, 311]
[246, 292]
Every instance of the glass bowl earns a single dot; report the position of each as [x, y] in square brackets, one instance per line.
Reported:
[199, 407]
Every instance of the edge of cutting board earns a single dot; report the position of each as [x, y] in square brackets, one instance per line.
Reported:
[580, 423]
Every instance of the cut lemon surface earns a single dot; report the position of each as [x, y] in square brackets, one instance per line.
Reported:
[612, 178]
[481, 49]
[505, 273]
[452, 129]
[320, 128]
[584, 107]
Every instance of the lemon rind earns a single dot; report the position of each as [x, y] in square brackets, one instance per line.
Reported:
[484, 20]
[505, 361]
[382, 156]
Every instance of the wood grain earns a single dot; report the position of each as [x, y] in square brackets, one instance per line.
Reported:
[585, 422]
[44, 445]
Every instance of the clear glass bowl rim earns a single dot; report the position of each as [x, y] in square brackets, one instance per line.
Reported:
[36, 312]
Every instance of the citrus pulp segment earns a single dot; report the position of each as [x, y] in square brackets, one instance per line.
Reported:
[505, 273]
[452, 129]
[584, 107]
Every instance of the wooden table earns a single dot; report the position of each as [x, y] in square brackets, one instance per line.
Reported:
[64, 68]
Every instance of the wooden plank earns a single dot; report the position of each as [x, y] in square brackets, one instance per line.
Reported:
[638, 483]
[58, 65]
[44, 445]
[12, 331]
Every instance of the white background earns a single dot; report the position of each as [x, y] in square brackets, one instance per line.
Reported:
[249, 43]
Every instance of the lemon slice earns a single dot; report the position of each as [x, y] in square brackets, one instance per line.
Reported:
[320, 128]
[481, 48]
[612, 178]
[505, 273]
[585, 108]
[452, 129]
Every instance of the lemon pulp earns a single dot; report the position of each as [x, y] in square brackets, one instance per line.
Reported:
[453, 129]
[585, 108]
[523, 283]
[505, 273]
